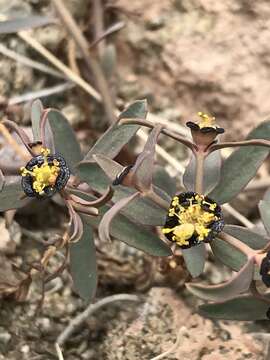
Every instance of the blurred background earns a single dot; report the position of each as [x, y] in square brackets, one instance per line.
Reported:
[183, 56]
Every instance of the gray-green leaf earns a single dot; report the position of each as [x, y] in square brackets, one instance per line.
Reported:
[164, 181]
[195, 259]
[83, 264]
[239, 283]
[65, 141]
[247, 236]
[245, 308]
[116, 136]
[132, 234]
[212, 165]
[241, 166]
[142, 210]
[12, 197]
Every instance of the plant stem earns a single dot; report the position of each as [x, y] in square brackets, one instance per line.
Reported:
[169, 133]
[200, 156]
[258, 142]
[157, 200]
[239, 245]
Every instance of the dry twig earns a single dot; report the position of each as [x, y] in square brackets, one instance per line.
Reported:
[92, 64]
[174, 347]
[91, 309]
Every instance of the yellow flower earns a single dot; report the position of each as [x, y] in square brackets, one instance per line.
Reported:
[192, 218]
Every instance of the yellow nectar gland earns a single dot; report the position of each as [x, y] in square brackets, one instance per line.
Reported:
[192, 220]
[206, 121]
[44, 175]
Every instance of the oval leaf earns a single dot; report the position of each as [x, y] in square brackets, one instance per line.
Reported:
[133, 235]
[116, 136]
[247, 236]
[239, 283]
[240, 167]
[227, 254]
[65, 140]
[12, 197]
[83, 265]
[164, 181]
[142, 210]
[264, 207]
[195, 259]
[245, 308]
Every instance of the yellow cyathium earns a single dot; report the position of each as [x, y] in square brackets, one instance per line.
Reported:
[191, 219]
[44, 175]
[206, 120]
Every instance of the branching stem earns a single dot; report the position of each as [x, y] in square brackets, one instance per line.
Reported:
[258, 142]
[167, 132]
[157, 200]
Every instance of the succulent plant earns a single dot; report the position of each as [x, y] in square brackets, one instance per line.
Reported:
[139, 204]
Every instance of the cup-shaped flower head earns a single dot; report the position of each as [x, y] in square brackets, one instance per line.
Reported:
[205, 131]
[192, 219]
[265, 269]
[44, 174]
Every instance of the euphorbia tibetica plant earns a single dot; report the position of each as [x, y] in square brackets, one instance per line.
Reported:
[139, 203]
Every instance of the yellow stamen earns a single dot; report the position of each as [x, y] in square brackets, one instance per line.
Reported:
[191, 220]
[206, 120]
[44, 175]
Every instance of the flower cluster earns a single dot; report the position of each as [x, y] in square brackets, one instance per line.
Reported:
[44, 174]
[192, 218]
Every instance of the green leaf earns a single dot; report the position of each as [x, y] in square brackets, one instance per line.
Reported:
[116, 136]
[195, 259]
[142, 210]
[240, 167]
[264, 207]
[247, 236]
[83, 264]
[28, 22]
[12, 197]
[227, 254]
[36, 113]
[212, 165]
[164, 181]
[231, 257]
[65, 140]
[138, 109]
[132, 234]
[245, 308]
[239, 283]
